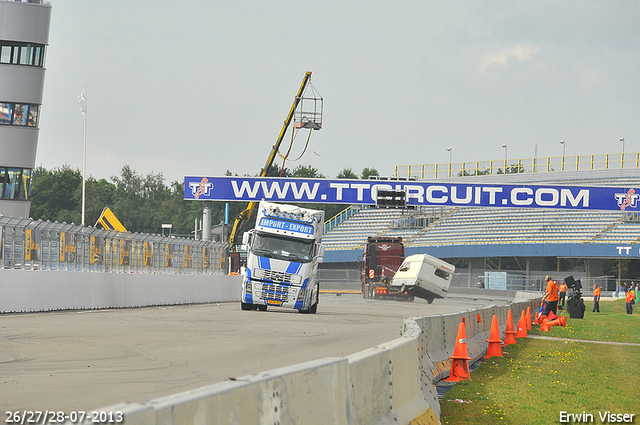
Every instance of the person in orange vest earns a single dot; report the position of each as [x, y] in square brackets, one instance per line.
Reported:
[630, 298]
[596, 299]
[562, 292]
[550, 297]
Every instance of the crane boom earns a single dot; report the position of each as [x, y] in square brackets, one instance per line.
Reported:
[246, 214]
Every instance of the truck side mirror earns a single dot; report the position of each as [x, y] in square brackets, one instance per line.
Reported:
[320, 253]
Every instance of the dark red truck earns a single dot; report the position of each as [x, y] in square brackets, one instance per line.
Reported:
[380, 262]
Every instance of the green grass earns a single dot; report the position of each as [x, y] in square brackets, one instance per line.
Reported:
[537, 379]
[611, 324]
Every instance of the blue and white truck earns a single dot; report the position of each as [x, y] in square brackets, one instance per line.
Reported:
[283, 253]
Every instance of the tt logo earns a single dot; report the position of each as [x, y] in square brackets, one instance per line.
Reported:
[201, 188]
[385, 248]
[629, 199]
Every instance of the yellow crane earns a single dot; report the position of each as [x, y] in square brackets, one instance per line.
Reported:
[109, 221]
[310, 120]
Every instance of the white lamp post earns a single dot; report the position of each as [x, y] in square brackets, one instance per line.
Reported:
[505, 158]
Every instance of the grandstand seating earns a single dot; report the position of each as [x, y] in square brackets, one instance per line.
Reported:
[490, 225]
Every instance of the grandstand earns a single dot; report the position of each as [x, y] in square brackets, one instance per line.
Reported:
[437, 226]
[477, 225]
[475, 233]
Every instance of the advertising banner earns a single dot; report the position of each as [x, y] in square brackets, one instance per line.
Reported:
[205, 258]
[125, 252]
[96, 250]
[63, 246]
[32, 239]
[343, 191]
[147, 254]
[67, 247]
[168, 255]
[188, 256]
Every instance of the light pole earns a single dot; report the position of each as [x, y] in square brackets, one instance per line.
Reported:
[450, 153]
[505, 158]
[563, 151]
[622, 156]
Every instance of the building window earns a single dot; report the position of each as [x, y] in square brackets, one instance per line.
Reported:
[19, 114]
[15, 183]
[15, 53]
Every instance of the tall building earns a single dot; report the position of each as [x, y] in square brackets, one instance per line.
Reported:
[24, 36]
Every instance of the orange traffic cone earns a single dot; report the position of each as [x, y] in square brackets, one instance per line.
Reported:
[509, 334]
[528, 316]
[545, 327]
[543, 319]
[522, 327]
[559, 321]
[552, 315]
[460, 363]
[494, 348]
[536, 320]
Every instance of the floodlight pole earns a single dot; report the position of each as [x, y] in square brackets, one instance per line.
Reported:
[84, 158]
[505, 158]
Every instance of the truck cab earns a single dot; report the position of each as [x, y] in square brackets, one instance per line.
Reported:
[283, 253]
[381, 259]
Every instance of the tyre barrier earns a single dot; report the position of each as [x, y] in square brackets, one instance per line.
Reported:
[392, 383]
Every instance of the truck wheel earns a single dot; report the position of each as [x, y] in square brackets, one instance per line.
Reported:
[314, 308]
[364, 291]
[245, 306]
[430, 300]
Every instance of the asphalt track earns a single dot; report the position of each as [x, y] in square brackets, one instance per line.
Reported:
[83, 360]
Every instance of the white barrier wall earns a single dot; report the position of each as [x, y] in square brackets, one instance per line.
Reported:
[391, 384]
[40, 290]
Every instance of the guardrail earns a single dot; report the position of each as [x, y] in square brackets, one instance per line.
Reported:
[27, 1]
[42, 245]
[339, 218]
[393, 383]
[520, 165]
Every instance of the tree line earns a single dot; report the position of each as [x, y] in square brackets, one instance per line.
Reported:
[143, 203]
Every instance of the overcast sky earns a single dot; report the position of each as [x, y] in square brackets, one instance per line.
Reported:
[201, 87]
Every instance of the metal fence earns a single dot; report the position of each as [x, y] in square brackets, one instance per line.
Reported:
[514, 281]
[520, 165]
[42, 245]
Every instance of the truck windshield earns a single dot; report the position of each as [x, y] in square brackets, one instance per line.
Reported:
[267, 245]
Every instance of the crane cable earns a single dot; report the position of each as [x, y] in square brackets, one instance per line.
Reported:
[285, 157]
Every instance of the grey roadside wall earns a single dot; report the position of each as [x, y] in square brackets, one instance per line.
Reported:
[45, 290]
[392, 383]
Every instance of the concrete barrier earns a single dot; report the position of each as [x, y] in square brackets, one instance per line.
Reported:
[29, 291]
[393, 383]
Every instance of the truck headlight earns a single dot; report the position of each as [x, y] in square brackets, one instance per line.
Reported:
[247, 286]
[302, 293]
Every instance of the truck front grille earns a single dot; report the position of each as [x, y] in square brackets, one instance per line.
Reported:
[275, 292]
[275, 276]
